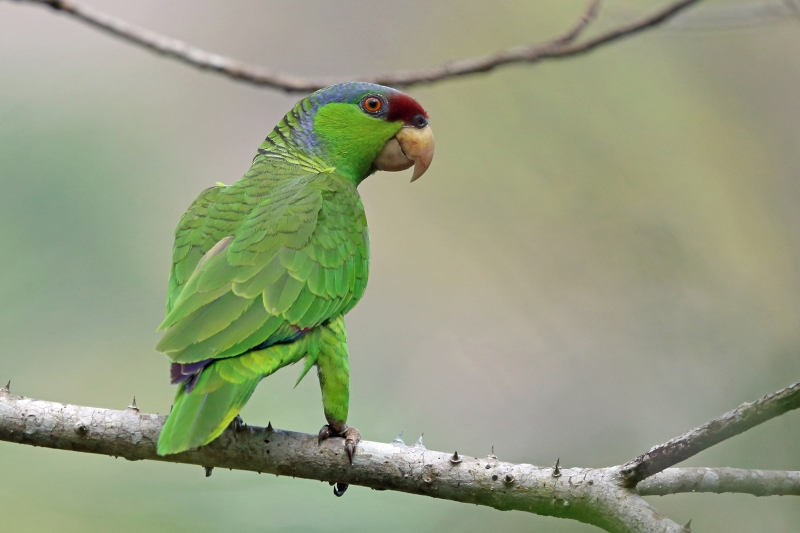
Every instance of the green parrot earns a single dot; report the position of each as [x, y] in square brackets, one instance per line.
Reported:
[264, 270]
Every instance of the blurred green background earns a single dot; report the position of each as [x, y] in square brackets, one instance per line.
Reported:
[604, 254]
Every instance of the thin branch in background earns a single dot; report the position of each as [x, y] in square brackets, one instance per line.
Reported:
[561, 47]
[721, 480]
[732, 423]
[739, 16]
[587, 18]
[552, 49]
[732, 17]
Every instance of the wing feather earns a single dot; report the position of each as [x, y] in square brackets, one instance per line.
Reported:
[261, 261]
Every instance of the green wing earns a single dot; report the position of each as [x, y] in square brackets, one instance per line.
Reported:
[262, 260]
[255, 265]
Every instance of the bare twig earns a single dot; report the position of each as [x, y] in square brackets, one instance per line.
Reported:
[741, 419]
[592, 496]
[563, 46]
[719, 480]
[738, 16]
[587, 18]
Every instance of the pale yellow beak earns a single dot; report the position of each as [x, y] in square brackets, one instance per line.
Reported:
[411, 146]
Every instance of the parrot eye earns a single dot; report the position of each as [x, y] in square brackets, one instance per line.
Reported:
[419, 121]
[372, 104]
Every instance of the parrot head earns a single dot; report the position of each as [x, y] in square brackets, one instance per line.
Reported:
[359, 128]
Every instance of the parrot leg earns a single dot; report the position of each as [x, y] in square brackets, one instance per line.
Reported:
[334, 380]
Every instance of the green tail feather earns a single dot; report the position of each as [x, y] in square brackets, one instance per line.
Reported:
[224, 386]
[202, 415]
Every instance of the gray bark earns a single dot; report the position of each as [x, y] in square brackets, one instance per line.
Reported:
[744, 417]
[720, 480]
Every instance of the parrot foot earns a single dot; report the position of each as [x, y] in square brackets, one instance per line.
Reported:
[350, 434]
[351, 439]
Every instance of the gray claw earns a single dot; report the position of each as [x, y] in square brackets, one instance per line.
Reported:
[339, 489]
[351, 439]
[325, 433]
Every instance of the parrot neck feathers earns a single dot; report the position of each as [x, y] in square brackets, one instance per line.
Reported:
[321, 136]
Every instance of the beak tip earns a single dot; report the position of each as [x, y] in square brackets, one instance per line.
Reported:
[419, 170]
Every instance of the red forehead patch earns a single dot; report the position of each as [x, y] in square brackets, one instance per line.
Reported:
[403, 107]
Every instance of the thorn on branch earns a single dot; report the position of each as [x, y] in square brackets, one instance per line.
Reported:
[455, 459]
[557, 468]
[491, 454]
[419, 444]
[208, 470]
[398, 441]
[7, 388]
[269, 427]
[132, 406]
[687, 528]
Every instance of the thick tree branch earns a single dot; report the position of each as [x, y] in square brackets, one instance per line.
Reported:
[732, 423]
[561, 47]
[593, 496]
[720, 480]
[596, 496]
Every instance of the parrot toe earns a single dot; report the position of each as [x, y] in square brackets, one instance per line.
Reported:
[350, 434]
[351, 439]
[325, 433]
